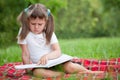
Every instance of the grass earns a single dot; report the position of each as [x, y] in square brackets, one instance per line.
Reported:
[10, 54]
[98, 48]
[92, 47]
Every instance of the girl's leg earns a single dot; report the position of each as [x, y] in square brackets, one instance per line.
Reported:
[70, 67]
[46, 73]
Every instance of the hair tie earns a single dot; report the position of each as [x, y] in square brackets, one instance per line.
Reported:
[26, 10]
[48, 12]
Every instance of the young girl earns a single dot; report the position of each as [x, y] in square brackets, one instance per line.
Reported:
[39, 43]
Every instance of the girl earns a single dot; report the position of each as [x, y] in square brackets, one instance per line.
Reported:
[39, 43]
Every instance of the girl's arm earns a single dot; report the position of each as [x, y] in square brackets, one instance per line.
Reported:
[55, 53]
[25, 54]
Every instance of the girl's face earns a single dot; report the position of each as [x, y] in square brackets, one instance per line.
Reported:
[37, 25]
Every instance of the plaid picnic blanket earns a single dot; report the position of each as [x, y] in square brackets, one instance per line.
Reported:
[111, 68]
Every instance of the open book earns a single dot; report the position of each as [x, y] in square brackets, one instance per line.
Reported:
[63, 58]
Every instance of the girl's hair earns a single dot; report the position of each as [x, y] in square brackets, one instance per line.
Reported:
[36, 11]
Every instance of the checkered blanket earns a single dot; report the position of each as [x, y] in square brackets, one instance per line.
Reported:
[111, 68]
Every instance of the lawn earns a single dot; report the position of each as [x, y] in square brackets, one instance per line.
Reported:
[98, 48]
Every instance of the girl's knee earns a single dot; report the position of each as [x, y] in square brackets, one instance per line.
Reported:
[45, 73]
[39, 73]
[36, 72]
[69, 67]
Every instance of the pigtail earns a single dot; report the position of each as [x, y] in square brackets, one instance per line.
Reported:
[49, 28]
[22, 18]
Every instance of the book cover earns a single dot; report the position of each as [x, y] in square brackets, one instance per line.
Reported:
[63, 58]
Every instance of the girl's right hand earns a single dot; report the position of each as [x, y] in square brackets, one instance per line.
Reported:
[43, 60]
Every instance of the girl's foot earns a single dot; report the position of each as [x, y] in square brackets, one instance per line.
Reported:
[95, 74]
[92, 72]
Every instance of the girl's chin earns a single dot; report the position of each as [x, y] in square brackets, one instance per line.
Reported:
[36, 32]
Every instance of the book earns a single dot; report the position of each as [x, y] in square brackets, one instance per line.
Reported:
[63, 58]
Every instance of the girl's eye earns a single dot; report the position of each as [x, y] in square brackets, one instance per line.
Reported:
[39, 24]
[32, 23]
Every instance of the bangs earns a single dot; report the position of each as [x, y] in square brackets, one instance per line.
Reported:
[38, 13]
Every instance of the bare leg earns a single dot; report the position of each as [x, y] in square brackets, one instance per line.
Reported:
[70, 67]
[81, 71]
[46, 73]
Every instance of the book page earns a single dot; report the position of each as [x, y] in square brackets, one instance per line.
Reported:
[59, 60]
[63, 58]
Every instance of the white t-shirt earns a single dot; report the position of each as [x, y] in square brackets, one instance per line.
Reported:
[37, 45]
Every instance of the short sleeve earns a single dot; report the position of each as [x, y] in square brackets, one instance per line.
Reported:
[53, 39]
[18, 38]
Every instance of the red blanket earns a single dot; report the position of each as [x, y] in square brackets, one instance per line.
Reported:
[111, 68]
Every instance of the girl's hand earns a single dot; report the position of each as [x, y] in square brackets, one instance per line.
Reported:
[43, 60]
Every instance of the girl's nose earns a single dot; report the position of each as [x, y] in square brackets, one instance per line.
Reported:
[36, 26]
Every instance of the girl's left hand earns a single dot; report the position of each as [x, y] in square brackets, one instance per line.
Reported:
[43, 60]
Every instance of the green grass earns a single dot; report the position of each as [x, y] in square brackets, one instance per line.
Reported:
[10, 54]
[98, 48]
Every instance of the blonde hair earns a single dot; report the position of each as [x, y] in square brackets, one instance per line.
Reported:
[34, 11]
